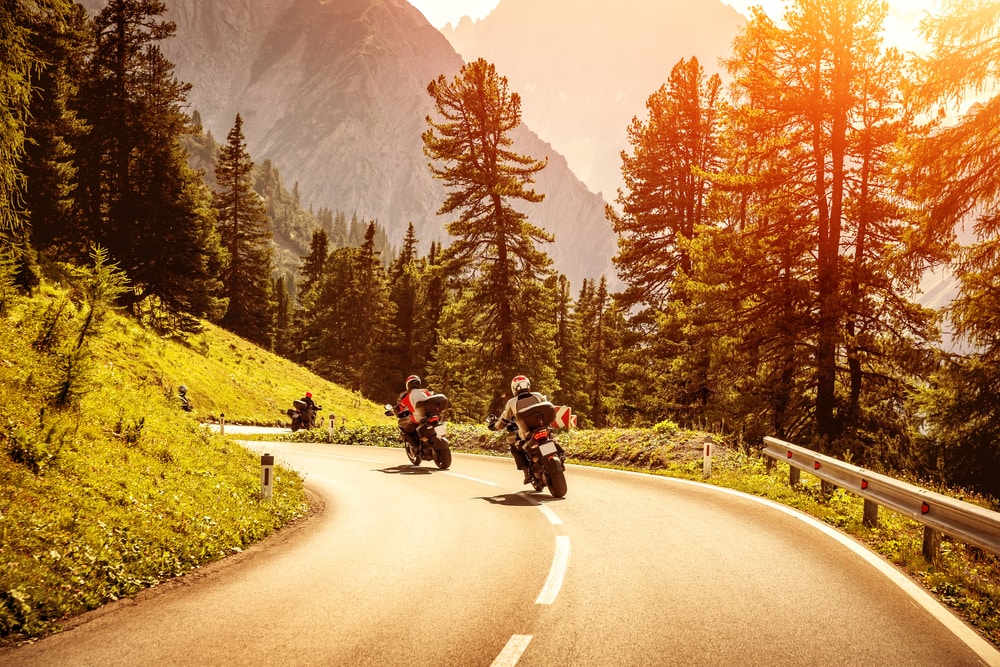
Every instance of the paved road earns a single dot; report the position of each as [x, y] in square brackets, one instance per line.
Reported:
[406, 566]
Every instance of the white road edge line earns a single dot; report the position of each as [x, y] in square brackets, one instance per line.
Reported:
[559, 563]
[945, 616]
[511, 653]
[471, 479]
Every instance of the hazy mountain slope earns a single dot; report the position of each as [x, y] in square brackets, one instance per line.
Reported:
[586, 67]
[334, 94]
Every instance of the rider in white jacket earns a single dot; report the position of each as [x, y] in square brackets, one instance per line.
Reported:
[522, 397]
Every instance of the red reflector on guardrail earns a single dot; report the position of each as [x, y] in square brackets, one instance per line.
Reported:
[924, 508]
[789, 454]
[816, 465]
[864, 484]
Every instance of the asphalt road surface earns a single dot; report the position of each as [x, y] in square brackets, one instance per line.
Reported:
[467, 567]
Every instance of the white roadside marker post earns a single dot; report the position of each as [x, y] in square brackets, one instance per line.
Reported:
[707, 462]
[333, 422]
[222, 424]
[266, 475]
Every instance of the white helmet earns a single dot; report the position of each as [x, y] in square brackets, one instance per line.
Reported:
[519, 384]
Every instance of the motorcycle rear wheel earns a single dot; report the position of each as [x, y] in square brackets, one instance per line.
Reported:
[443, 454]
[557, 483]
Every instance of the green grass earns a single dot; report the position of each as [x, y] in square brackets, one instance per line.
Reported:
[120, 489]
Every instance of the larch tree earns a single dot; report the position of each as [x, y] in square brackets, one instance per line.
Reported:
[666, 183]
[664, 206]
[243, 227]
[494, 253]
[819, 95]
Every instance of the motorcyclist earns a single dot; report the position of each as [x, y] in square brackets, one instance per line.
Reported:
[522, 397]
[310, 411]
[406, 408]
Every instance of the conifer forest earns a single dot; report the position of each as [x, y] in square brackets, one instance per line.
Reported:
[775, 229]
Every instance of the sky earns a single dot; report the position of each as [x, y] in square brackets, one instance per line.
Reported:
[904, 15]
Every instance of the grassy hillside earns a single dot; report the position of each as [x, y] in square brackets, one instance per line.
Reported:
[106, 486]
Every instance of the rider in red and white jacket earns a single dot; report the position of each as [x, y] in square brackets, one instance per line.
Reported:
[407, 403]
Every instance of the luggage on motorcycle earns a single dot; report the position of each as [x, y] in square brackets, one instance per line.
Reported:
[299, 405]
[435, 403]
[533, 416]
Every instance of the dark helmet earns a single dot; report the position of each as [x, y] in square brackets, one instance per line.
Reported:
[412, 382]
[519, 384]
[182, 389]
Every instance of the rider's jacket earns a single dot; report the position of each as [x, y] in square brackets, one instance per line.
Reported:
[408, 400]
[516, 404]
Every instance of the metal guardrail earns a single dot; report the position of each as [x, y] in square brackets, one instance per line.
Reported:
[958, 519]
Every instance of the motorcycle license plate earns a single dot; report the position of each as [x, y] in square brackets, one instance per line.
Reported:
[441, 430]
[547, 448]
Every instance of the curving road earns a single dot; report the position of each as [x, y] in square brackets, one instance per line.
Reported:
[415, 566]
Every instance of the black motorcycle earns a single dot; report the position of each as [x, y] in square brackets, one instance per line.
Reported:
[424, 436]
[546, 460]
[302, 416]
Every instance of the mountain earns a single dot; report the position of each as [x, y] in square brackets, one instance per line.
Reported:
[585, 68]
[334, 94]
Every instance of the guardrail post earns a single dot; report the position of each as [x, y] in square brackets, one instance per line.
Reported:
[870, 517]
[266, 475]
[706, 465]
[826, 487]
[793, 475]
[932, 544]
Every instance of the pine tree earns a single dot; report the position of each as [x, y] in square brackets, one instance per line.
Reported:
[494, 253]
[243, 226]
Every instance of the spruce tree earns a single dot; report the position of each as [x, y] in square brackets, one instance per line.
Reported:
[243, 227]
[59, 39]
[137, 195]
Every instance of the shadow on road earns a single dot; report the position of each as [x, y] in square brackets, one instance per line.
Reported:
[508, 499]
[407, 470]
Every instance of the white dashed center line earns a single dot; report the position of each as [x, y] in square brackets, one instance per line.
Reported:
[559, 563]
[511, 653]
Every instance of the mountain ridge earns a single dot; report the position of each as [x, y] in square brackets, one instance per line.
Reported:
[334, 94]
[585, 69]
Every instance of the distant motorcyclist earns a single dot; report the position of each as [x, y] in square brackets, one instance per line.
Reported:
[310, 411]
[405, 408]
[522, 397]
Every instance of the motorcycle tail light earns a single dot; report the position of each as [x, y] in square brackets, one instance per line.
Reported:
[541, 435]
[433, 420]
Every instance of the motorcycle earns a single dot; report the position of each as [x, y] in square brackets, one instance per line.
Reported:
[302, 416]
[546, 459]
[425, 435]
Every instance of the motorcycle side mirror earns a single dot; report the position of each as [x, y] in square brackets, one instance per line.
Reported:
[388, 410]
